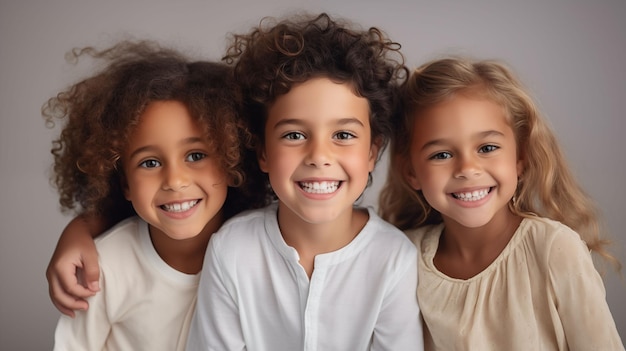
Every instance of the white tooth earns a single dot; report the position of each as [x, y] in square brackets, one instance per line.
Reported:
[180, 207]
[472, 196]
[320, 187]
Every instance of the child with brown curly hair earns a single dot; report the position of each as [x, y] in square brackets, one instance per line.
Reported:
[312, 271]
[503, 229]
[153, 140]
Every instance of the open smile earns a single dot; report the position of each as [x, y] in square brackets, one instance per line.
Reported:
[179, 206]
[323, 187]
[471, 196]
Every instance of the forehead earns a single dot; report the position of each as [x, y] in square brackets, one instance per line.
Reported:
[164, 121]
[316, 100]
[460, 115]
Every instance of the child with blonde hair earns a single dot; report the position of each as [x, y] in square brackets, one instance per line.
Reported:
[504, 231]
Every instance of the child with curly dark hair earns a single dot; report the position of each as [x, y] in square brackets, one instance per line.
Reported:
[312, 271]
[154, 140]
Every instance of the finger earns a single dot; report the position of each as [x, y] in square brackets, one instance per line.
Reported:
[65, 303]
[63, 279]
[91, 272]
[65, 311]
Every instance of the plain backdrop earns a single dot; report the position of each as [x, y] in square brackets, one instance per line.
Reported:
[570, 54]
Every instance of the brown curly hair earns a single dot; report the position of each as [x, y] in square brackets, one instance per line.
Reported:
[100, 112]
[277, 55]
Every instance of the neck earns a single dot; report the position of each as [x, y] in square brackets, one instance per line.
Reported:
[312, 239]
[186, 255]
[464, 252]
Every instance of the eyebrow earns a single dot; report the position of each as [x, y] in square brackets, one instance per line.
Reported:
[481, 135]
[147, 148]
[341, 121]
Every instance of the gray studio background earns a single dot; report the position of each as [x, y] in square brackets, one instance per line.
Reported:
[571, 54]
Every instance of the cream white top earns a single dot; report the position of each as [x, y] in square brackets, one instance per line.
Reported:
[254, 294]
[144, 304]
[541, 293]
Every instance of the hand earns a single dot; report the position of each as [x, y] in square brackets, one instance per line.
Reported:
[73, 272]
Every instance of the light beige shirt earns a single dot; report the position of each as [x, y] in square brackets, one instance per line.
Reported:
[542, 293]
[144, 303]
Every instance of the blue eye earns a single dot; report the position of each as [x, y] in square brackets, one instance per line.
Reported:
[195, 156]
[150, 164]
[441, 156]
[294, 136]
[488, 148]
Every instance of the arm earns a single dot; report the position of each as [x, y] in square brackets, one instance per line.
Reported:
[580, 296]
[215, 324]
[73, 270]
[399, 325]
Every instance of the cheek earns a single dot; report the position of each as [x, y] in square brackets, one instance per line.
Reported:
[508, 172]
[364, 160]
[137, 189]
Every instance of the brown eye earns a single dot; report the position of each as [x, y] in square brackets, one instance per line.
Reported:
[195, 156]
[294, 136]
[488, 148]
[150, 164]
[441, 156]
[344, 135]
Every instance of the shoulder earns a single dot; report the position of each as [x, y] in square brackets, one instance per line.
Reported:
[551, 237]
[122, 236]
[246, 219]
[426, 236]
[383, 228]
[243, 227]
[556, 246]
[122, 254]
[385, 236]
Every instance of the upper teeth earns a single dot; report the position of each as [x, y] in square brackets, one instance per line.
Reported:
[180, 207]
[319, 187]
[472, 196]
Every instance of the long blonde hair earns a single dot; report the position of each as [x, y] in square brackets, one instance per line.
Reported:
[547, 187]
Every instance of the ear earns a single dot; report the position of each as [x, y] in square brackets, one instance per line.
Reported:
[124, 185]
[262, 157]
[409, 174]
[520, 167]
[373, 156]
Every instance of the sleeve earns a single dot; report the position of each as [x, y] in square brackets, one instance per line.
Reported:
[580, 296]
[89, 329]
[399, 323]
[215, 325]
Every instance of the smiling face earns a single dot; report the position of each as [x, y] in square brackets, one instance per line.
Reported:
[318, 150]
[464, 160]
[172, 181]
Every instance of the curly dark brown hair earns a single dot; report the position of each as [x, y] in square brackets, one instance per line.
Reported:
[100, 112]
[278, 54]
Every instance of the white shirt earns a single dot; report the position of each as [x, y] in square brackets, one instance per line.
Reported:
[255, 295]
[144, 304]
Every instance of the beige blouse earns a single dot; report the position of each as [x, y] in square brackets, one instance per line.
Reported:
[541, 293]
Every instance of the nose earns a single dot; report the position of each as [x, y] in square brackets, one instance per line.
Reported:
[175, 177]
[319, 153]
[467, 166]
